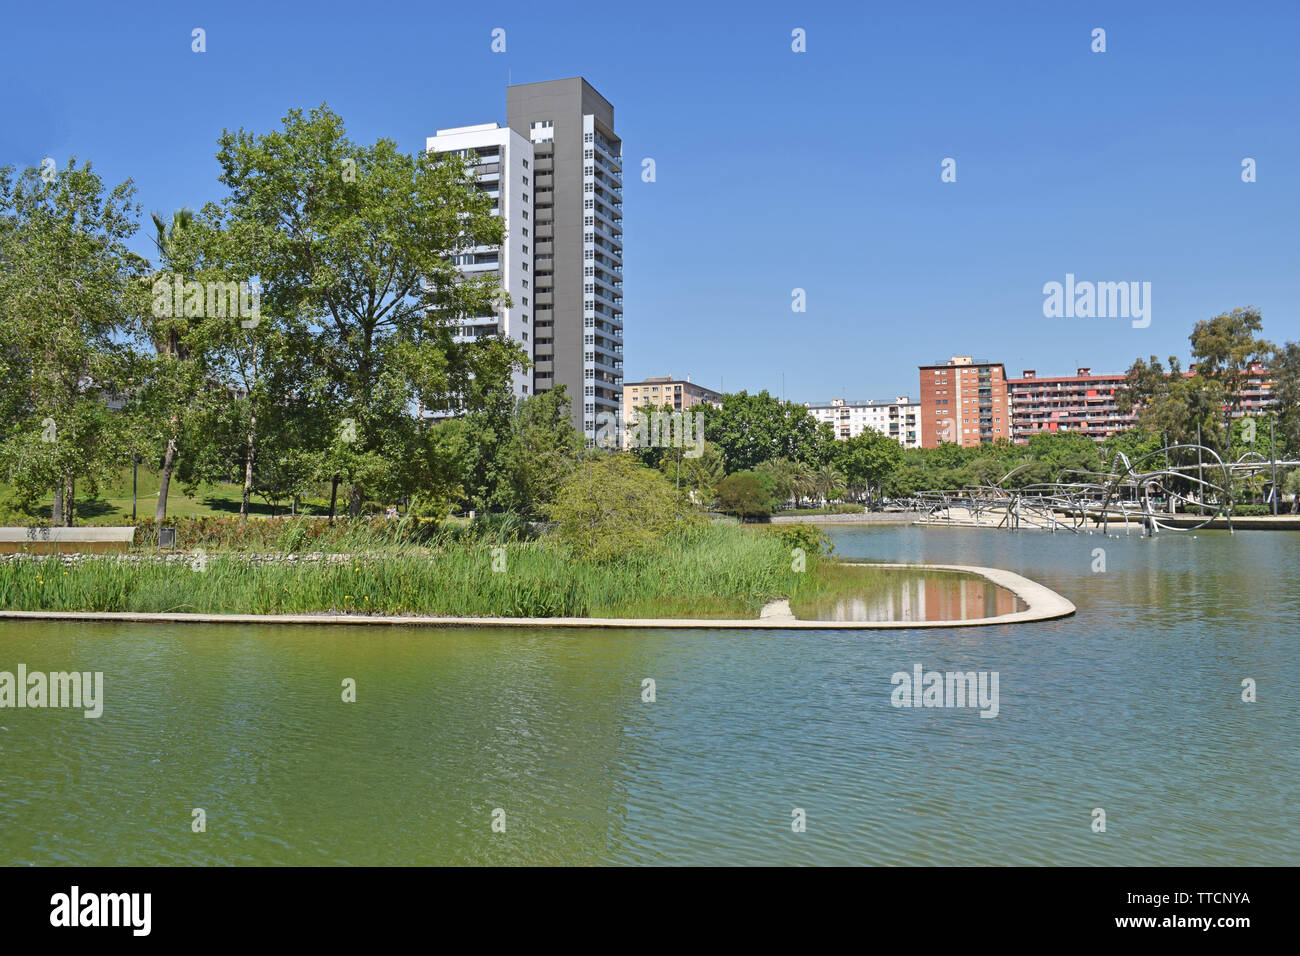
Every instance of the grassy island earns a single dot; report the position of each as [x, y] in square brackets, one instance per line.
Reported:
[710, 571]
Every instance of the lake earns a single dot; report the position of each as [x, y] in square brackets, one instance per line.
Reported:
[1134, 705]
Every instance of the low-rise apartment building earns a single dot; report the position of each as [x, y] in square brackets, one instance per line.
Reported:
[679, 394]
[661, 390]
[1083, 402]
[899, 419]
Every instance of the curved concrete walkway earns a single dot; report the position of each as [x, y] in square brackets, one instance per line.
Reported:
[1043, 604]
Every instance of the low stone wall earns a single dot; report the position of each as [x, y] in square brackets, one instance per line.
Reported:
[79, 540]
[869, 517]
[1243, 523]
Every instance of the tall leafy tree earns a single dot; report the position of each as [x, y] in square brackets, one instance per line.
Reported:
[1226, 350]
[65, 271]
[358, 243]
[508, 458]
[259, 386]
[867, 460]
[1177, 406]
[751, 429]
[828, 483]
[1285, 368]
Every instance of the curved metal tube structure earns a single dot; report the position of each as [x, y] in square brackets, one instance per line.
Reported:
[1129, 491]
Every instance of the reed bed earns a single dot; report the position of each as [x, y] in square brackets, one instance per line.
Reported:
[718, 571]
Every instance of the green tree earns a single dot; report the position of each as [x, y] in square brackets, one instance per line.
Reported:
[867, 460]
[787, 479]
[697, 477]
[1062, 454]
[751, 429]
[64, 276]
[1285, 368]
[507, 456]
[659, 430]
[542, 451]
[1227, 351]
[1173, 404]
[356, 247]
[746, 494]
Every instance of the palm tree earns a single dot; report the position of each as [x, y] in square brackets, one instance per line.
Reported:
[802, 480]
[168, 342]
[166, 337]
[829, 482]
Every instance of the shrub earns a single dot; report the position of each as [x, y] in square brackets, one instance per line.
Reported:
[841, 508]
[614, 506]
[745, 494]
[811, 538]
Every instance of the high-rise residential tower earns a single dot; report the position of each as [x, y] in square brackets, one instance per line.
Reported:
[964, 401]
[577, 242]
[502, 161]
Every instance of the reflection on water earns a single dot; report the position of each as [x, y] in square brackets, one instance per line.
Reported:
[907, 596]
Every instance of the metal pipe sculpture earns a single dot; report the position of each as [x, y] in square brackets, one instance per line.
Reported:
[1129, 491]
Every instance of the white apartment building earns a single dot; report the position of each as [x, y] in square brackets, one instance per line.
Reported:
[502, 160]
[556, 171]
[899, 419]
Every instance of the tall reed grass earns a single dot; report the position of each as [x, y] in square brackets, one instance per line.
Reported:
[717, 571]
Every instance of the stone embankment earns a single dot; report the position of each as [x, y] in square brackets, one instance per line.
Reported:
[867, 517]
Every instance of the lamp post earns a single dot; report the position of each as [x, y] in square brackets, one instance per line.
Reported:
[1272, 460]
[1200, 478]
[135, 463]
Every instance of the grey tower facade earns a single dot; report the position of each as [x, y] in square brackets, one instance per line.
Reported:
[577, 232]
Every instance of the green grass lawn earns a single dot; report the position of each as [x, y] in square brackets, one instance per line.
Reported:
[113, 503]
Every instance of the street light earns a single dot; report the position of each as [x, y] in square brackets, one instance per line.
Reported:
[1272, 458]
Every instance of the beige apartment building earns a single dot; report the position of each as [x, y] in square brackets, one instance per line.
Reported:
[658, 391]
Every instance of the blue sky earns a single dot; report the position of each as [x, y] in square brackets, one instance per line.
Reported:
[775, 170]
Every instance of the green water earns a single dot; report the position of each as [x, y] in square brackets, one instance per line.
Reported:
[1133, 705]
